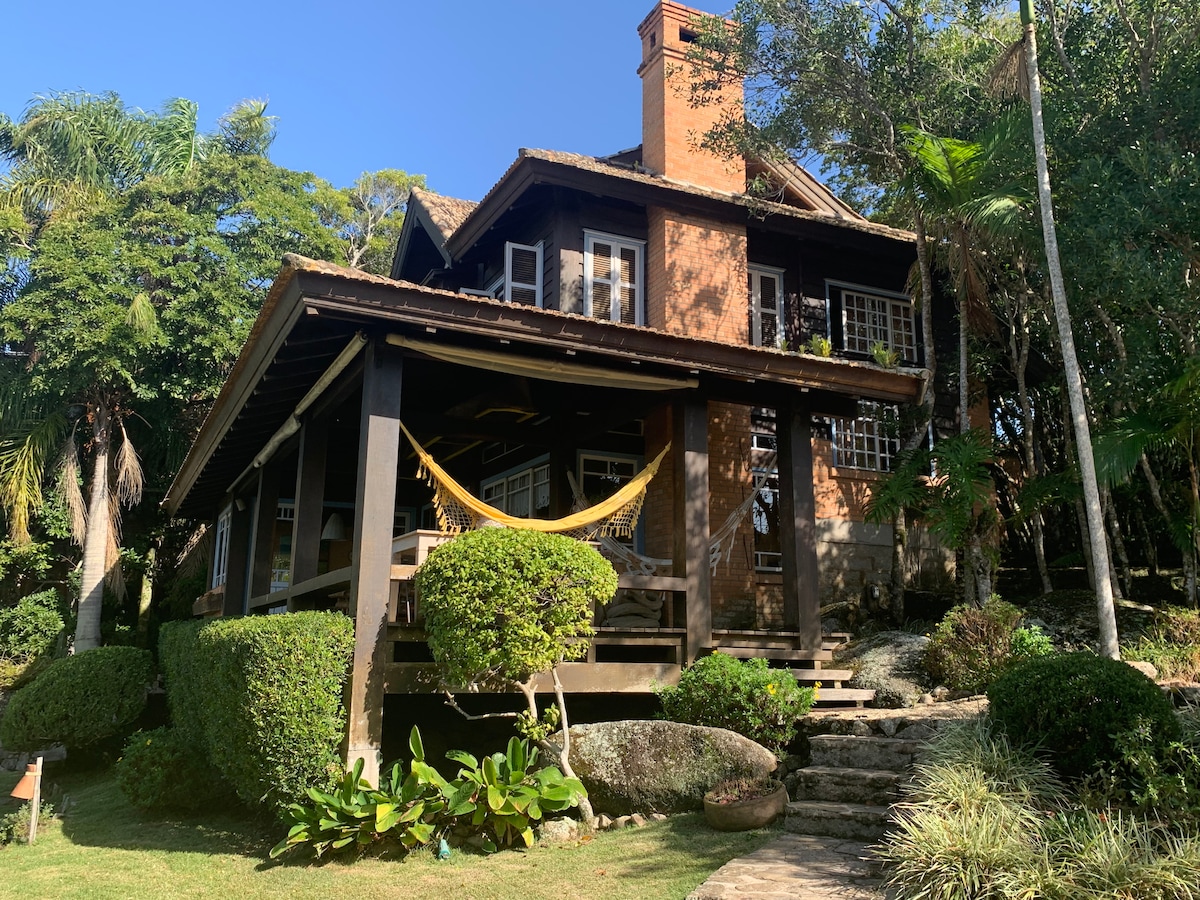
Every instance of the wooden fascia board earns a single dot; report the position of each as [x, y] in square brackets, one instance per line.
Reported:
[486, 213]
[424, 311]
[257, 354]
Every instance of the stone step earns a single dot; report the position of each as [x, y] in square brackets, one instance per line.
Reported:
[853, 752]
[845, 696]
[846, 820]
[827, 677]
[874, 787]
[770, 653]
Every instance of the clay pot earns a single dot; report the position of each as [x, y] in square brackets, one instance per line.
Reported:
[742, 815]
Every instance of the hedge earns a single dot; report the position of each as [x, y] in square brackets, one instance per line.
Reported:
[262, 696]
[79, 701]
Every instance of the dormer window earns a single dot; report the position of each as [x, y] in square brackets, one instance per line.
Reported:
[523, 273]
[613, 278]
[766, 296]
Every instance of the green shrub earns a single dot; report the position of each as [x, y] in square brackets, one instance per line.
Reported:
[1078, 706]
[508, 602]
[743, 696]
[31, 627]
[79, 701]
[14, 826]
[262, 696]
[160, 770]
[971, 646]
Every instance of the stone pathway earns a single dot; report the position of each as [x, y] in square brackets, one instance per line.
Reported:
[797, 867]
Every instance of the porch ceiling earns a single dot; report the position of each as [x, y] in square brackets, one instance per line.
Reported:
[315, 308]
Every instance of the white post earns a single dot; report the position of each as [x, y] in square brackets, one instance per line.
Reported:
[36, 802]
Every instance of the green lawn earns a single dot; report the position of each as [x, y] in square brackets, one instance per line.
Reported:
[104, 848]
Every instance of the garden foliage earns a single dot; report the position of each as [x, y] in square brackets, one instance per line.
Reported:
[745, 696]
[1082, 709]
[262, 696]
[502, 604]
[31, 627]
[971, 646]
[161, 770]
[79, 701]
[498, 799]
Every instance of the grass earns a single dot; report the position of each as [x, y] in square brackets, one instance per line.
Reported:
[104, 848]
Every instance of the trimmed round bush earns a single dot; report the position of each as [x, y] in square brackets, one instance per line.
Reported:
[1080, 709]
[971, 646]
[161, 770]
[508, 602]
[745, 696]
[79, 701]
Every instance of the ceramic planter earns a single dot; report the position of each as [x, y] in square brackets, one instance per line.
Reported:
[742, 815]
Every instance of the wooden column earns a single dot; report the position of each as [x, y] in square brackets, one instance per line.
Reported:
[374, 510]
[690, 455]
[310, 500]
[798, 525]
[237, 556]
[266, 512]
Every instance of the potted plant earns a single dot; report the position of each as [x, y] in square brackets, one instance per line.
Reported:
[740, 804]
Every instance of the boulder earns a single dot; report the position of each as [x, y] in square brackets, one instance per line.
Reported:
[888, 663]
[656, 766]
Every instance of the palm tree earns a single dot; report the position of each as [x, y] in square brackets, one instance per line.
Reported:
[1030, 84]
[67, 152]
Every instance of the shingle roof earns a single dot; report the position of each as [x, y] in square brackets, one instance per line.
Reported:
[446, 213]
[756, 205]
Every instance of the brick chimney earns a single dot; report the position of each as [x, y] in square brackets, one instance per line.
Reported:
[695, 265]
[671, 126]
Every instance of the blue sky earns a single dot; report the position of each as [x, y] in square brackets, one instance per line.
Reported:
[447, 89]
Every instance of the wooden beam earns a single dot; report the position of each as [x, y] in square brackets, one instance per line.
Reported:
[691, 536]
[310, 500]
[798, 525]
[371, 571]
[236, 557]
[266, 512]
[576, 677]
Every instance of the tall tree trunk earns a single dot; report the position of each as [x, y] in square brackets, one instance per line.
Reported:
[145, 597]
[1018, 343]
[95, 542]
[1105, 610]
[1117, 540]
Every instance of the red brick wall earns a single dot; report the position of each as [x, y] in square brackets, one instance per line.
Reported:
[696, 277]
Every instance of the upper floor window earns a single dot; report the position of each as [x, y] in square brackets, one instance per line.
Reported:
[613, 281]
[766, 295]
[523, 273]
[870, 319]
[221, 548]
[524, 493]
[867, 441]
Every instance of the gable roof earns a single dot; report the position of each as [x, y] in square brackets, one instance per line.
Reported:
[630, 182]
[444, 213]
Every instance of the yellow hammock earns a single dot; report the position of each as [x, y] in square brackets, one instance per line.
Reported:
[457, 510]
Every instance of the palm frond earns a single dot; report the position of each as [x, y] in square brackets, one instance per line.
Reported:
[1119, 447]
[1008, 76]
[142, 317]
[24, 451]
[129, 477]
[68, 486]
[247, 130]
[177, 144]
[114, 576]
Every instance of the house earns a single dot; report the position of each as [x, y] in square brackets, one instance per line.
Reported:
[553, 338]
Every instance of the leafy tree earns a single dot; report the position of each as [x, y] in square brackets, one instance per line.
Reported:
[367, 217]
[503, 605]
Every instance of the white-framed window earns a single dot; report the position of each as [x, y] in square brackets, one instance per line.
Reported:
[524, 493]
[220, 567]
[523, 273]
[870, 318]
[768, 544]
[868, 440]
[766, 306]
[613, 279]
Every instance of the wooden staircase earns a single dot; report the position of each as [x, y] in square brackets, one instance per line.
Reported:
[807, 666]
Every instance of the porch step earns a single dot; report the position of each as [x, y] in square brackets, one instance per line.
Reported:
[852, 752]
[834, 819]
[828, 677]
[873, 787]
[770, 653]
[844, 696]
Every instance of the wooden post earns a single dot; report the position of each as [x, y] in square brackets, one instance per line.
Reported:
[798, 525]
[691, 537]
[236, 557]
[310, 500]
[266, 512]
[35, 805]
[371, 568]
